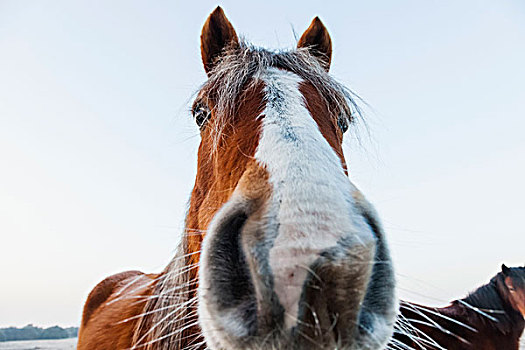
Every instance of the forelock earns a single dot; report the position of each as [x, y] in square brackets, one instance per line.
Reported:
[240, 68]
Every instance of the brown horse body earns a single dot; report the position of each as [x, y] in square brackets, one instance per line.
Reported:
[280, 250]
[490, 318]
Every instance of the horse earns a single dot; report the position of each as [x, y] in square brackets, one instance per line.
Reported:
[280, 249]
[490, 318]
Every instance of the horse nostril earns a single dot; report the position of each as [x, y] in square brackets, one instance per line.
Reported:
[230, 286]
[229, 276]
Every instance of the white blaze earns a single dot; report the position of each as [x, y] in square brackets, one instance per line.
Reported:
[312, 196]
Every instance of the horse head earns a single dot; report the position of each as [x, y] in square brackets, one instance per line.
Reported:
[514, 286]
[289, 252]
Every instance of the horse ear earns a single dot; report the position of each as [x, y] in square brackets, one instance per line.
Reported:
[217, 34]
[317, 40]
[505, 269]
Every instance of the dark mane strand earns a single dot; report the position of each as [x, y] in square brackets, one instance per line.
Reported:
[489, 300]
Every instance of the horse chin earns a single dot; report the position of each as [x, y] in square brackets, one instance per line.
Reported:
[347, 299]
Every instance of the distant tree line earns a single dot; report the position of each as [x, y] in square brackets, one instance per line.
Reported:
[31, 332]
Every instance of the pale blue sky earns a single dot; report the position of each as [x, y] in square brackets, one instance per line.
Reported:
[98, 149]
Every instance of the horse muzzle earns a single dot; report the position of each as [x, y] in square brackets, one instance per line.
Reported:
[274, 276]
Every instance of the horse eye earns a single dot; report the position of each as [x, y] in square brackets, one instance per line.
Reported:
[201, 113]
[342, 122]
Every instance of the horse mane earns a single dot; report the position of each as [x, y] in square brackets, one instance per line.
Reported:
[170, 315]
[488, 305]
[240, 66]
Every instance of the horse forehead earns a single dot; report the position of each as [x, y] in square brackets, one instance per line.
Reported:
[281, 84]
[517, 281]
[288, 95]
[313, 101]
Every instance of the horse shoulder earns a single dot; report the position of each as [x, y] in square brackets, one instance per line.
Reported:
[111, 311]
